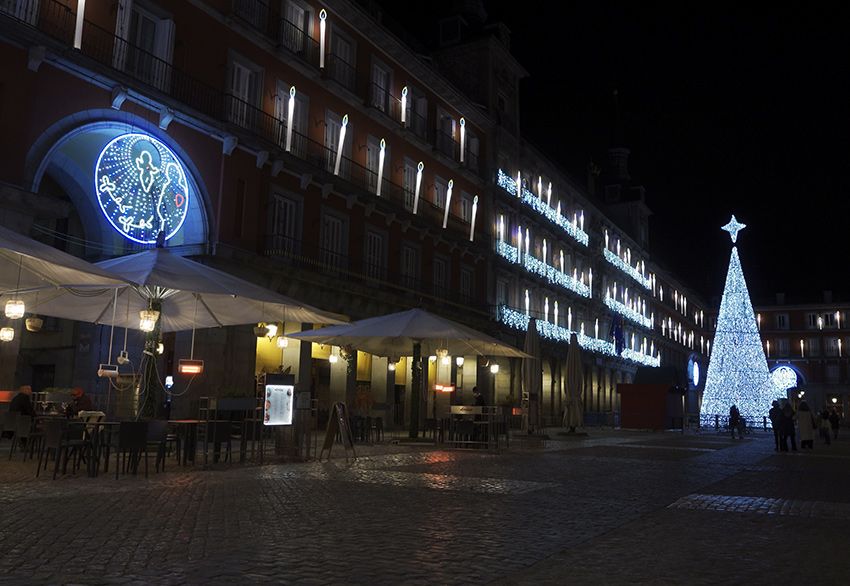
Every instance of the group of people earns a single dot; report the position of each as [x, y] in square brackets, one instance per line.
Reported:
[22, 402]
[783, 419]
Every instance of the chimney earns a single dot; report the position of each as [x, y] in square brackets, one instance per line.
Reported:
[827, 296]
[780, 299]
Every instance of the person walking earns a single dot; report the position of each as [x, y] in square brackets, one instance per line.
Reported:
[735, 421]
[807, 424]
[775, 415]
[824, 427]
[786, 429]
[834, 422]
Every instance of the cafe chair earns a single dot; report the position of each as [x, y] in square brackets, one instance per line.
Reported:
[62, 440]
[24, 431]
[8, 424]
[132, 439]
[157, 438]
[221, 434]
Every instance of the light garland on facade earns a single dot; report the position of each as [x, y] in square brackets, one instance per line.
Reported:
[509, 184]
[519, 321]
[737, 372]
[540, 268]
[627, 268]
[627, 312]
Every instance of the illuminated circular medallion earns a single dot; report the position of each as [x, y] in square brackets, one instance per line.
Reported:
[141, 187]
[783, 378]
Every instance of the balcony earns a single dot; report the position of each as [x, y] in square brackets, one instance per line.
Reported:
[542, 269]
[285, 34]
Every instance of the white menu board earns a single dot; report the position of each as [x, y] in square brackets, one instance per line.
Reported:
[278, 405]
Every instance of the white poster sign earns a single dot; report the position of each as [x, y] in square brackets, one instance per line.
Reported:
[278, 405]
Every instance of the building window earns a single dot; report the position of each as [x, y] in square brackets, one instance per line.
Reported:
[832, 373]
[782, 347]
[297, 20]
[831, 346]
[409, 183]
[374, 255]
[473, 146]
[254, 13]
[373, 152]
[341, 60]
[467, 283]
[466, 207]
[380, 86]
[419, 114]
[502, 292]
[334, 242]
[446, 126]
[811, 320]
[441, 276]
[300, 112]
[145, 43]
[409, 266]
[440, 188]
[828, 319]
[285, 229]
[812, 347]
[243, 91]
[782, 321]
[333, 124]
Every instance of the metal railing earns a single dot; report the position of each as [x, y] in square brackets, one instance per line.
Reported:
[341, 71]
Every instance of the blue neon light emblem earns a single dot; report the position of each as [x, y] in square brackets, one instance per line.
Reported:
[141, 187]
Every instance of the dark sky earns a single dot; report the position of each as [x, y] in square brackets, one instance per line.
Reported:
[727, 108]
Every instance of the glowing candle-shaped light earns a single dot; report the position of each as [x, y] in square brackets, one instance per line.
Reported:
[419, 168]
[837, 320]
[701, 319]
[590, 282]
[581, 220]
[661, 293]
[474, 213]
[341, 143]
[448, 202]
[569, 318]
[501, 228]
[290, 120]
[615, 290]
[596, 328]
[546, 309]
[556, 316]
[549, 195]
[606, 238]
[663, 328]
[767, 345]
[633, 341]
[462, 137]
[404, 106]
[519, 243]
[582, 329]
[652, 320]
[708, 346]
[323, 16]
[702, 345]
[527, 241]
[527, 303]
[575, 220]
[629, 256]
[558, 211]
[758, 320]
[381, 154]
[618, 247]
[544, 252]
[518, 184]
[539, 187]
[575, 274]
[652, 348]
[562, 261]
[802, 350]
[78, 28]
[820, 322]
[839, 347]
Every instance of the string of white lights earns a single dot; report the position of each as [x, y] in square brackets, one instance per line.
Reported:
[631, 271]
[519, 321]
[627, 312]
[547, 271]
[537, 204]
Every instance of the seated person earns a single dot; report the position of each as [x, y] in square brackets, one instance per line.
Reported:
[22, 403]
[81, 402]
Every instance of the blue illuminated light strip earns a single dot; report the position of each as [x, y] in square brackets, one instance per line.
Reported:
[540, 268]
[536, 203]
[519, 321]
[627, 312]
[626, 268]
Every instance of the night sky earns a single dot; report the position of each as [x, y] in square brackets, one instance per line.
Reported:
[727, 108]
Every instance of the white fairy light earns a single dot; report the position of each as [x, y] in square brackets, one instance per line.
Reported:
[341, 143]
[419, 168]
[381, 155]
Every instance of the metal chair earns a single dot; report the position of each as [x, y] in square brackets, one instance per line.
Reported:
[157, 436]
[61, 438]
[24, 431]
[132, 439]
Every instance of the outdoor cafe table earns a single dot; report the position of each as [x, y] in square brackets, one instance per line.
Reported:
[188, 430]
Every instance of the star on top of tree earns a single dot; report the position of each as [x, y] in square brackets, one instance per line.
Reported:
[733, 227]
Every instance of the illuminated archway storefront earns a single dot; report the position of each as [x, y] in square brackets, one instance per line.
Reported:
[128, 182]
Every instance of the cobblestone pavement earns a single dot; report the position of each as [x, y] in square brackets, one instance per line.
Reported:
[609, 508]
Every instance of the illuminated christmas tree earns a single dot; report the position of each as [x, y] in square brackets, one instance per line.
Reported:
[737, 369]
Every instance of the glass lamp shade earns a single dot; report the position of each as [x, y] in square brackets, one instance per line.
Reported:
[494, 368]
[34, 324]
[261, 330]
[147, 319]
[271, 330]
[7, 334]
[459, 360]
[333, 358]
[391, 366]
[15, 309]
[282, 342]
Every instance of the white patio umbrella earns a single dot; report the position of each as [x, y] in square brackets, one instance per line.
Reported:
[395, 335]
[193, 295]
[43, 266]
[532, 376]
[574, 413]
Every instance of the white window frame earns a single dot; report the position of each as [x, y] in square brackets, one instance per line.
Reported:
[333, 258]
[244, 114]
[441, 289]
[380, 99]
[289, 243]
[409, 265]
[159, 74]
[441, 187]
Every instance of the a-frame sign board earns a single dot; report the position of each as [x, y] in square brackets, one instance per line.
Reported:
[338, 423]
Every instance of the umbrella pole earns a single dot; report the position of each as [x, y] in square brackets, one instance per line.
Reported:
[415, 390]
